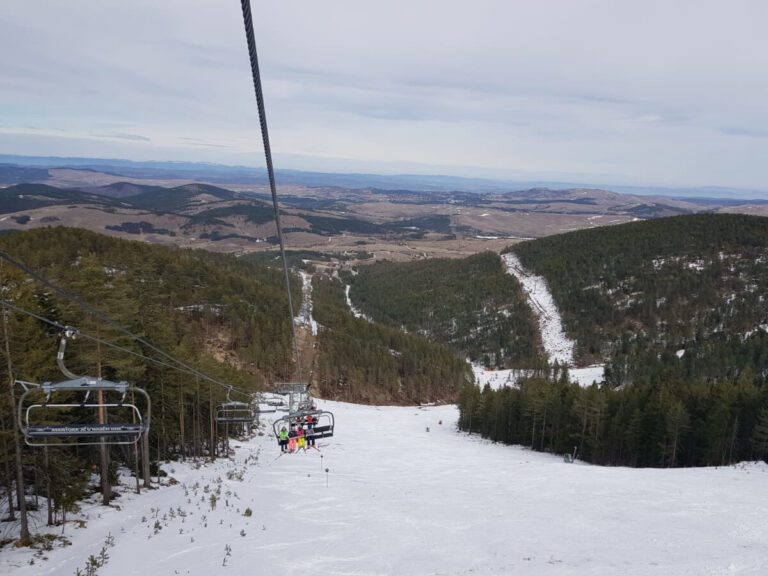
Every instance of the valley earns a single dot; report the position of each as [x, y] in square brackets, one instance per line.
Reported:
[381, 224]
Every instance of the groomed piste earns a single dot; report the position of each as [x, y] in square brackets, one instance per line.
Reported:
[386, 496]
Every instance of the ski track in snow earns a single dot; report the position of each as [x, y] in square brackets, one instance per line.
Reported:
[403, 501]
[557, 345]
[305, 311]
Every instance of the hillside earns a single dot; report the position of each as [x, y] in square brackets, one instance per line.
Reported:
[389, 223]
[374, 363]
[470, 304]
[686, 290]
[27, 197]
[211, 311]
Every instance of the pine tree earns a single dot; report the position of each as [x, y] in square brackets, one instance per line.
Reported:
[677, 421]
[759, 436]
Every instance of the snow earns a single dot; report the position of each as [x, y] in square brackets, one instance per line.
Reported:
[403, 501]
[588, 375]
[351, 306]
[500, 378]
[497, 378]
[557, 345]
[305, 312]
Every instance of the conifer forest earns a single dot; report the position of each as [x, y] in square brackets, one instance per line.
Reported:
[674, 308]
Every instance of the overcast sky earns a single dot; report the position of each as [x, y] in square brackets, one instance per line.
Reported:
[646, 92]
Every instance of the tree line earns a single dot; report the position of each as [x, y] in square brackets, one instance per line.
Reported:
[663, 424]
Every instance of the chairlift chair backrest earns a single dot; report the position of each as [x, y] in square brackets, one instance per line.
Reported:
[42, 423]
[322, 426]
[234, 412]
[297, 393]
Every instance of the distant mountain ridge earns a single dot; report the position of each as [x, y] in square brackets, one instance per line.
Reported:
[392, 223]
[223, 174]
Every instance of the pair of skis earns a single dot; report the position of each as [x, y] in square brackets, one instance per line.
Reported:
[289, 452]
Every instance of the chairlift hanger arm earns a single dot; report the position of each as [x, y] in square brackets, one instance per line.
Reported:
[66, 334]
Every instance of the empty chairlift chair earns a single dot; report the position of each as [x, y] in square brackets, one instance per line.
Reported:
[297, 394]
[58, 420]
[233, 411]
[263, 404]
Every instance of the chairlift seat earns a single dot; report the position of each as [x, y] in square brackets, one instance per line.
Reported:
[234, 411]
[115, 432]
[242, 419]
[77, 431]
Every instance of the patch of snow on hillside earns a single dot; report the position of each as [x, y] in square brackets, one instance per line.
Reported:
[352, 308]
[501, 378]
[557, 345]
[305, 312]
[497, 378]
[386, 496]
[697, 265]
[587, 376]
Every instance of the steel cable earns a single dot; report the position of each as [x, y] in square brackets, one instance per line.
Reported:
[248, 21]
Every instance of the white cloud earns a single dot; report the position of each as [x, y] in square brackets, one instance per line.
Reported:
[668, 92]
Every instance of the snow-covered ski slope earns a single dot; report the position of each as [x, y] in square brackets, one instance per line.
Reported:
[557, 345]
[403, 501]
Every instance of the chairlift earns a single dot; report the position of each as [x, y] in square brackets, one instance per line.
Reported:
[275, 404]
[322, 426]
[262, 405]
[43, 424]
[297, 393]
[234, 411]
[292, 387]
